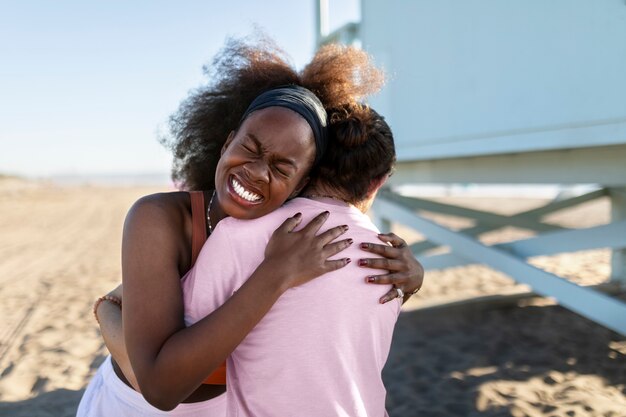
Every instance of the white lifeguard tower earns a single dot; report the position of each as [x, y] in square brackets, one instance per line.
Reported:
[510, 92]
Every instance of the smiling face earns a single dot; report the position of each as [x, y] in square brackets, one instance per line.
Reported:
[264, 163]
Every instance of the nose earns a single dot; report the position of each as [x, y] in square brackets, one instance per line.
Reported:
[257, 170]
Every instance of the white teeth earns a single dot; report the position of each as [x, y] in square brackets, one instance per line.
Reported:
[243, 193]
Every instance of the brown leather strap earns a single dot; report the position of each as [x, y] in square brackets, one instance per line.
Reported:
[198, 237]
[198, 224]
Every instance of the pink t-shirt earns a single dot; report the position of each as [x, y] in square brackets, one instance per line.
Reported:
[320, 350]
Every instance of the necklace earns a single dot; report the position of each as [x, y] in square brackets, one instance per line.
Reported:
[208, 213]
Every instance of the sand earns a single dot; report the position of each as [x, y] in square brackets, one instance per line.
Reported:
[59, 250]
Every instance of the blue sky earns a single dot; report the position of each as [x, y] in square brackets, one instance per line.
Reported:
[85, 86]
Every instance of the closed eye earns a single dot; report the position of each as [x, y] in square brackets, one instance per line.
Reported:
[251, 144]
[282, 171]
[249, 149]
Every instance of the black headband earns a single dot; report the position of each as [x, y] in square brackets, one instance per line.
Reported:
[303, 102]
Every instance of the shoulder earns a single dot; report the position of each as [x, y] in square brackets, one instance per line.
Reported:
[169, 202]
[252, 228]
[163, 211]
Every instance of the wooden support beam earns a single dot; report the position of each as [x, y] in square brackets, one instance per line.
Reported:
[612, 235]
[595, 306]
[618, 213]
[590, 165]
[535, 213]
[483, 217]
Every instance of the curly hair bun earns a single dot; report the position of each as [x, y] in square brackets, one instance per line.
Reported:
[349, 125]
[360, 151]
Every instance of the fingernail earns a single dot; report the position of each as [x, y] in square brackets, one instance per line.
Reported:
[345, 227]
[362, 262]
[348, 260]
[326, 213]
[350, 241]
[383, 300]
[298, 215]
[371, 279]
[364, 245]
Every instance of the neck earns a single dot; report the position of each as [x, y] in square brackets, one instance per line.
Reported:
[322, 190]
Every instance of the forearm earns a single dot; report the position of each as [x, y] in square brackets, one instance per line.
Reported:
[110, 320]
[173, 372]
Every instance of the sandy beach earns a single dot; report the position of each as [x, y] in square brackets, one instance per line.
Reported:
[60, 250]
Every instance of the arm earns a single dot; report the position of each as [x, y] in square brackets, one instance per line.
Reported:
[404, 271]
[110, 322]
[170, 360]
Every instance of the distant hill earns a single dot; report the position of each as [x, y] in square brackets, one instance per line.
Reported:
[8, 177]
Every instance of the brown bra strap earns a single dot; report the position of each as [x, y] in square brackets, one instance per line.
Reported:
[198, 224]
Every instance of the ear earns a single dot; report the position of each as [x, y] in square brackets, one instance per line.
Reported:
[229, 139]
[299, 188]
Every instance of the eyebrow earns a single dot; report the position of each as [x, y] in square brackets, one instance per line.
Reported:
[256, 140]
[258, 143]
